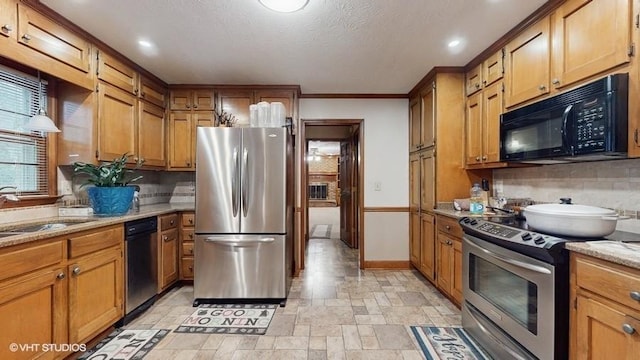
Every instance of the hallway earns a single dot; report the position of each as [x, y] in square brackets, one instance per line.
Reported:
[334, 311]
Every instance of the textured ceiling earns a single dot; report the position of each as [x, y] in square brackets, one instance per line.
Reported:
[331, 46]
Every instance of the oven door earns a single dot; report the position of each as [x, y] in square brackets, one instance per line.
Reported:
[508, 296]
[540, 135]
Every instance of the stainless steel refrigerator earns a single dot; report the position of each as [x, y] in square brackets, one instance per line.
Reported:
[244, 214]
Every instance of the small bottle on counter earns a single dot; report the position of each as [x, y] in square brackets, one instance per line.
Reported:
[475, 202]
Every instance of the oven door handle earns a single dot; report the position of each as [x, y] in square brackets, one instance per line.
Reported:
[491, 336]
[536, 268]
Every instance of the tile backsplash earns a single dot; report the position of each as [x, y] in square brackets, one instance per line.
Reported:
[610, 184]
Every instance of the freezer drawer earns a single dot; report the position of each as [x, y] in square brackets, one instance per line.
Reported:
[241, 267]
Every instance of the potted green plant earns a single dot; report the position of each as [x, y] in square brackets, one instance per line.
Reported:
[110, 194]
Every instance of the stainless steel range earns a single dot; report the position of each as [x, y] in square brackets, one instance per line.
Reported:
[516, 289]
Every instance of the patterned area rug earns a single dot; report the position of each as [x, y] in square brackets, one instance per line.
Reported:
[320, 232]
[439, 343]
[125, 344]
[239, 319]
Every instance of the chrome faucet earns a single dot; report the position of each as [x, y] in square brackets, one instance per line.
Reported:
[8, 197]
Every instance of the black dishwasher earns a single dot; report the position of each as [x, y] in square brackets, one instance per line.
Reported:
[141, 265]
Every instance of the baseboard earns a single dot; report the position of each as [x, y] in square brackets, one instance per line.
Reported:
[387, 264]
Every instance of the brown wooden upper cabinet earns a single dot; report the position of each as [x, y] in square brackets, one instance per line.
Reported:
[527, 62]
[8, 18]
[589, 37]
[422, 119]
[192, 99]
[116, 73]
[474, 80]
[236, 101]
[152, 92]
[485, 73]
[483, 125]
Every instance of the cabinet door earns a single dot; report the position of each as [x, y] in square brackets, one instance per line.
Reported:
[415, 117]
[180, 140]
[117, 113]
[493, 68]
[428, 246]
[474, 129]
[151, 135]
[204, 99]
[116, 73]
[590, 36]
[33, 311]
[428, 116]
[152, 92]
[414, 236]
[286, 97]
[169, 257]
[236, 103]
[444, 259]
[8, 19]
[44, 35]
[474, 80]
[492, 108]
[428, 181]
[180, 100]
[600, 334]
[456, 281]
[414, 182]
[528, 64]
[96, 293]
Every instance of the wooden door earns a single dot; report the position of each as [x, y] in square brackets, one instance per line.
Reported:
[493, 68]
[428, 246]
[33, 309]
[180, 140]
[286, 97]
[180, 99]
[8, 19]
[347, 198]
[456, 281]
[474, 80]
[117, 114]
[151, 135]
[414, 182]
[590, 36]
[428, 122]
[96, 293]
[415, 117]
[415, 238]
[599, 331]
[168, 257]
[236, 103]
[427, 180]
[527, 64]
[203, 100]
[492, 107]
[474, 129]
[444, 260]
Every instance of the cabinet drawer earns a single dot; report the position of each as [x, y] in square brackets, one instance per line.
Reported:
[188, 219]
[169, 235]
[21, 259]
[449, 226]
[88, 242]
[187, 235]
[168, 221]
[187, 268]
[187, 249]
[612, 281]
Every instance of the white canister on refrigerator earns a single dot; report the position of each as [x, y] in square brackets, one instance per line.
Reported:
[253, 115]
[277, 114]
[264, 114]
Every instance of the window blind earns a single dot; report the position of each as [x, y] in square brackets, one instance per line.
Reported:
[23, 153]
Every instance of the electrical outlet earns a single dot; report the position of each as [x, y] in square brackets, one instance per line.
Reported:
[377, 186]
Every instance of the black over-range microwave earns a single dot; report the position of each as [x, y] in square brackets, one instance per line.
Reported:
[583, 124]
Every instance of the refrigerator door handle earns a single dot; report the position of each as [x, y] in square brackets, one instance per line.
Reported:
[235, 242]
[234, 183]
[245, 176]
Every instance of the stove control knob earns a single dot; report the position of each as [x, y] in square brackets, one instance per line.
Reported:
[526, 236]
[466, 220]
[474, 222]
[539, 240]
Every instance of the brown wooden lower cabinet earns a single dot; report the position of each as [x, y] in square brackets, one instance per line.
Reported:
[187, 222]
[449, 257]
[168, 244]
[605, 311]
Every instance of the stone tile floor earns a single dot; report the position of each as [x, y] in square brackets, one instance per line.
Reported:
[334, 311]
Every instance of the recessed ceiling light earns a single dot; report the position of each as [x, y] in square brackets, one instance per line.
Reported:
[145, 43]
[454, 43]
[284, 6]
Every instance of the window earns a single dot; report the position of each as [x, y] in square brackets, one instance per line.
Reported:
[23, 154]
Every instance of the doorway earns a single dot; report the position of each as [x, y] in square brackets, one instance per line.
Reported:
[338, 191]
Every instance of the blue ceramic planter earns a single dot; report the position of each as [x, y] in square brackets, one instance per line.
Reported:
[110, 201]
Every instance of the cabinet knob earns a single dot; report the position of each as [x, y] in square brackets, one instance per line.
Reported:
[76, 270]
[477, 86]
[135, 91]
[541, 87]
[628, 329]
[26, 37]
[555, 81]
[7, 28]
[60, 276]
[484, 157]
[635, 295]
[448, 227]
[191, 251]
[477, 158]
[190, 221]
[190, 235]
[188, 163]
[449, 242]
[191, 268]
[188, 106]
[195, 106]
[172, 222]
[142, 94]
[165, 237]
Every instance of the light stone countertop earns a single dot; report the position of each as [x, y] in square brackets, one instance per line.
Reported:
[84, 223]
[627, 254]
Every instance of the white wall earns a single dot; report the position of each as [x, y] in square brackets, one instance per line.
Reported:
[386, 160]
